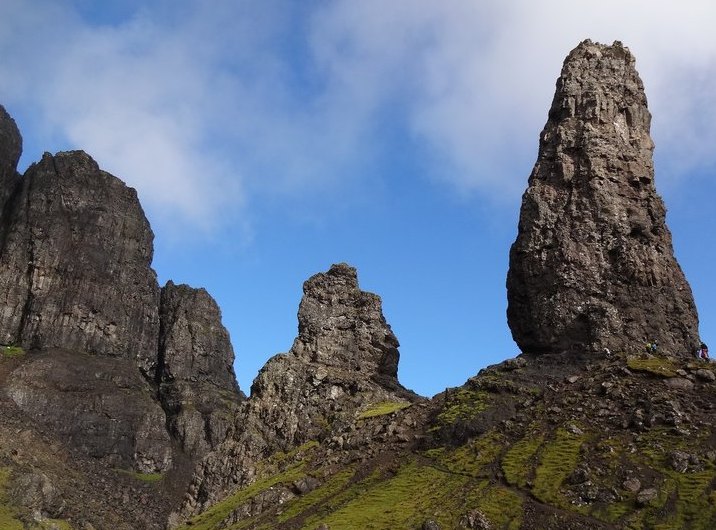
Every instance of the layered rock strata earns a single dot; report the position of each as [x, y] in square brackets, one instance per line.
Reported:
[593, 266]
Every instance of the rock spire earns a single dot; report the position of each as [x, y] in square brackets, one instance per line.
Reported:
[593, 265]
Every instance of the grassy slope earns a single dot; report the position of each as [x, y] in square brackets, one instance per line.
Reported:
[508, 472]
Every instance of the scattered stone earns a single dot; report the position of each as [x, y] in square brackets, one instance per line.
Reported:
[572, 379]
[430, 525]
[706, 375]
[632, 484]
[645, 496]
[679, 383]
[475, 519]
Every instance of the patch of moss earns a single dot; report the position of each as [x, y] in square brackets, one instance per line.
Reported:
[660, 366]
[416, 493]
[383, 408]
[213, 518]
[473, 457]
[281, 456]
[12, 351]
[557, 460]
[144, 477]
[463, 404]
[502, 507]
[518, 462]
[318, 496]
[8, 513]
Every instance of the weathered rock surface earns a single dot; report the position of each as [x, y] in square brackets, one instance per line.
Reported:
[344, 358]
[10, 151]
[196, 374]
[593, 265]
[75, 254]
[90, 370]
[341, 326]
[102, 407]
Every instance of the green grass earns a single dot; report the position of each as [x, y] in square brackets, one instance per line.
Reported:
[144, 477]
[416, 493]
[463, 404]
[12, 351]
[558, 459]
[383, 408]
[8, 513]
[319, 496]
[518, 462]
[213, 518]
[659, 366]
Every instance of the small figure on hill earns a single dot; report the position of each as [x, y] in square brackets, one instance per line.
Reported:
[652, 346]
[704, 352]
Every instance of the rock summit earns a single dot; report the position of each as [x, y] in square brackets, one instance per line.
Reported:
[593, 268]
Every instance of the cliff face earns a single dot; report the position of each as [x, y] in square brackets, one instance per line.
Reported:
[10, 151]
[95, 358]
[75, 260]
[197, 384]
[593, 265]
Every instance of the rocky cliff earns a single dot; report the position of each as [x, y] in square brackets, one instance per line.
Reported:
[343, 361]
[128, 417]
[593, 266]
[97, 358]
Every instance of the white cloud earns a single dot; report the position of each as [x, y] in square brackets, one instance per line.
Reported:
[205, 108]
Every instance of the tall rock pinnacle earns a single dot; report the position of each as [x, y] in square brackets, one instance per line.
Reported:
[593, 265]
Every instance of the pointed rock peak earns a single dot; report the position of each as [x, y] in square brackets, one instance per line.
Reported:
[593, 266]
[339, 325]
[10, 143]
[10, 151]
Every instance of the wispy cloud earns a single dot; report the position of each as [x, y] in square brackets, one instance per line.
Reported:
[204, 109]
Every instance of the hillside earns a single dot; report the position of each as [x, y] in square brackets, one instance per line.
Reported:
[119, 407]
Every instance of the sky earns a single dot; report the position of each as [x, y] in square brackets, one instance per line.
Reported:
[270, 139]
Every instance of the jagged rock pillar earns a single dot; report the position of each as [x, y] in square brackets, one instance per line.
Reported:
[593, 266]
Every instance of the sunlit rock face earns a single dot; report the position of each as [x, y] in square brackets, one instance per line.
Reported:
[593, 266]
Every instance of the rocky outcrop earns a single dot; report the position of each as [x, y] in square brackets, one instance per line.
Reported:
[341, 326]
[75, 260]
[344, 359]
[10, 151]
[81, 306]
[100, 406]
[593, 266]
[196, 374]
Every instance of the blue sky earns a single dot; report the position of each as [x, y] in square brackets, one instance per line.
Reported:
[268, 140]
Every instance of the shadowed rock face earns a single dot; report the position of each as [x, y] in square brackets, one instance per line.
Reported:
[10, 151]
[196, 373]
[75, 260]
[78, 293]
[593, 265]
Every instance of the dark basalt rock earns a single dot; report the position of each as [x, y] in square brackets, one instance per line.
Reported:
[10, 151]
[344, 358]
[196, 373]
[75, 260]
[593, 265]
[100, 406]
[339, 325]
